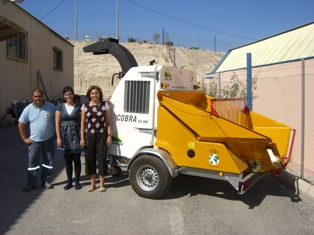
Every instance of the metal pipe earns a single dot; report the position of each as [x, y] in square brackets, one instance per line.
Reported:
[302, 118]
[249, 81]
[219, 86]
[174, 57]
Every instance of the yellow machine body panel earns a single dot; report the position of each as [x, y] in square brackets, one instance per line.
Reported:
[182, 140]
[276, 130]
[186, 126]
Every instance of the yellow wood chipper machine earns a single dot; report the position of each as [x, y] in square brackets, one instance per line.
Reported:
[163, 126]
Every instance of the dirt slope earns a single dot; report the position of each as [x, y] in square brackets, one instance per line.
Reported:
[92, 69]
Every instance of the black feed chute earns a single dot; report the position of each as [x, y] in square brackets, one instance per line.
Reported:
[112, 46]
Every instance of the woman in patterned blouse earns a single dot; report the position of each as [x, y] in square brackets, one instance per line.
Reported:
[95, 135]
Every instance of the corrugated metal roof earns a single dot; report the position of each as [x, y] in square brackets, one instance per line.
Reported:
[290, 45]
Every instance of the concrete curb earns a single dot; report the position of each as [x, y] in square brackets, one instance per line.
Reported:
[298, 185]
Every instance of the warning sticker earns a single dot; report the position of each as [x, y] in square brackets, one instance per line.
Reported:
[191, 144]
[177, 79]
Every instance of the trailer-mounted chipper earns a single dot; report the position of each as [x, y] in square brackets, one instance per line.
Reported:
[163, 126]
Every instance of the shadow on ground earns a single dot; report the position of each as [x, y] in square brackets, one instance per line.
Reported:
[267, 186]
[13, 177]
[13, 174]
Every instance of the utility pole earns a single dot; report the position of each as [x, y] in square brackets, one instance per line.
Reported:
[117, 19]
[75, 19]
[215, 43]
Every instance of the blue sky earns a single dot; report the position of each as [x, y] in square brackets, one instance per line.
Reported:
[207, 24]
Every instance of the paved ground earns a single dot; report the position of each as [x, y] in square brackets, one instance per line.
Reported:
[192, 206]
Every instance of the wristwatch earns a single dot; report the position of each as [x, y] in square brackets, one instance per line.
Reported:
[109, 135]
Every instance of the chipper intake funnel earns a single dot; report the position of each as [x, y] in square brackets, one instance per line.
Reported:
[238, 144]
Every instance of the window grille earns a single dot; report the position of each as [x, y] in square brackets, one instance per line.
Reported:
[136, 96]
[17, 48]
[57, 59]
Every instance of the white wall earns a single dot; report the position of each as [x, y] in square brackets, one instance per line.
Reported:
[18, 79]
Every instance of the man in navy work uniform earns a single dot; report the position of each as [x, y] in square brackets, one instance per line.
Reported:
[41, 118]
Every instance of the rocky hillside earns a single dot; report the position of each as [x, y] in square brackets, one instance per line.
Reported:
[92, 69]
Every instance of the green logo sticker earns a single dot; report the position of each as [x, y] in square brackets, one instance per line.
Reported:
[168, 75]
[213, 159]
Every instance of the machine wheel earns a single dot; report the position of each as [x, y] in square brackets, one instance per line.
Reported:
[116, 172]
[149, 177]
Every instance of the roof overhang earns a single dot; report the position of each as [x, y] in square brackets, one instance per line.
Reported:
[8, 29]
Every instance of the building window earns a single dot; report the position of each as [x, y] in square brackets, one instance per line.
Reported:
[17, 48]
[136, 96]
[57, 59]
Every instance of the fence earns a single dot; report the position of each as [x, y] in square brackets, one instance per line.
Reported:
[203, 41]
[284, 93]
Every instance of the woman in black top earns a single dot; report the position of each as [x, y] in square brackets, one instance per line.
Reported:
[68, 136]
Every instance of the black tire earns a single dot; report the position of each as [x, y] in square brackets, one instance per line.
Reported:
[116, 172]
[149, 177]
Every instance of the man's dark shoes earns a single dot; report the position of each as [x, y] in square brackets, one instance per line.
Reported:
[28, 188]
[46, 185]
[78, 186]
[68, 186]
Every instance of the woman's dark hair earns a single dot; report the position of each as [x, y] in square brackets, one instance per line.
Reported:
[68, 88]
[90, 90]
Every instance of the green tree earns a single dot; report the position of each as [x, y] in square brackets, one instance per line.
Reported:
[131, 39]
[156, 38]
[236, 89]
[100, 38]
[213, 88]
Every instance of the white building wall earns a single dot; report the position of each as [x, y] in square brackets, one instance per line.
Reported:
[17, 78]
